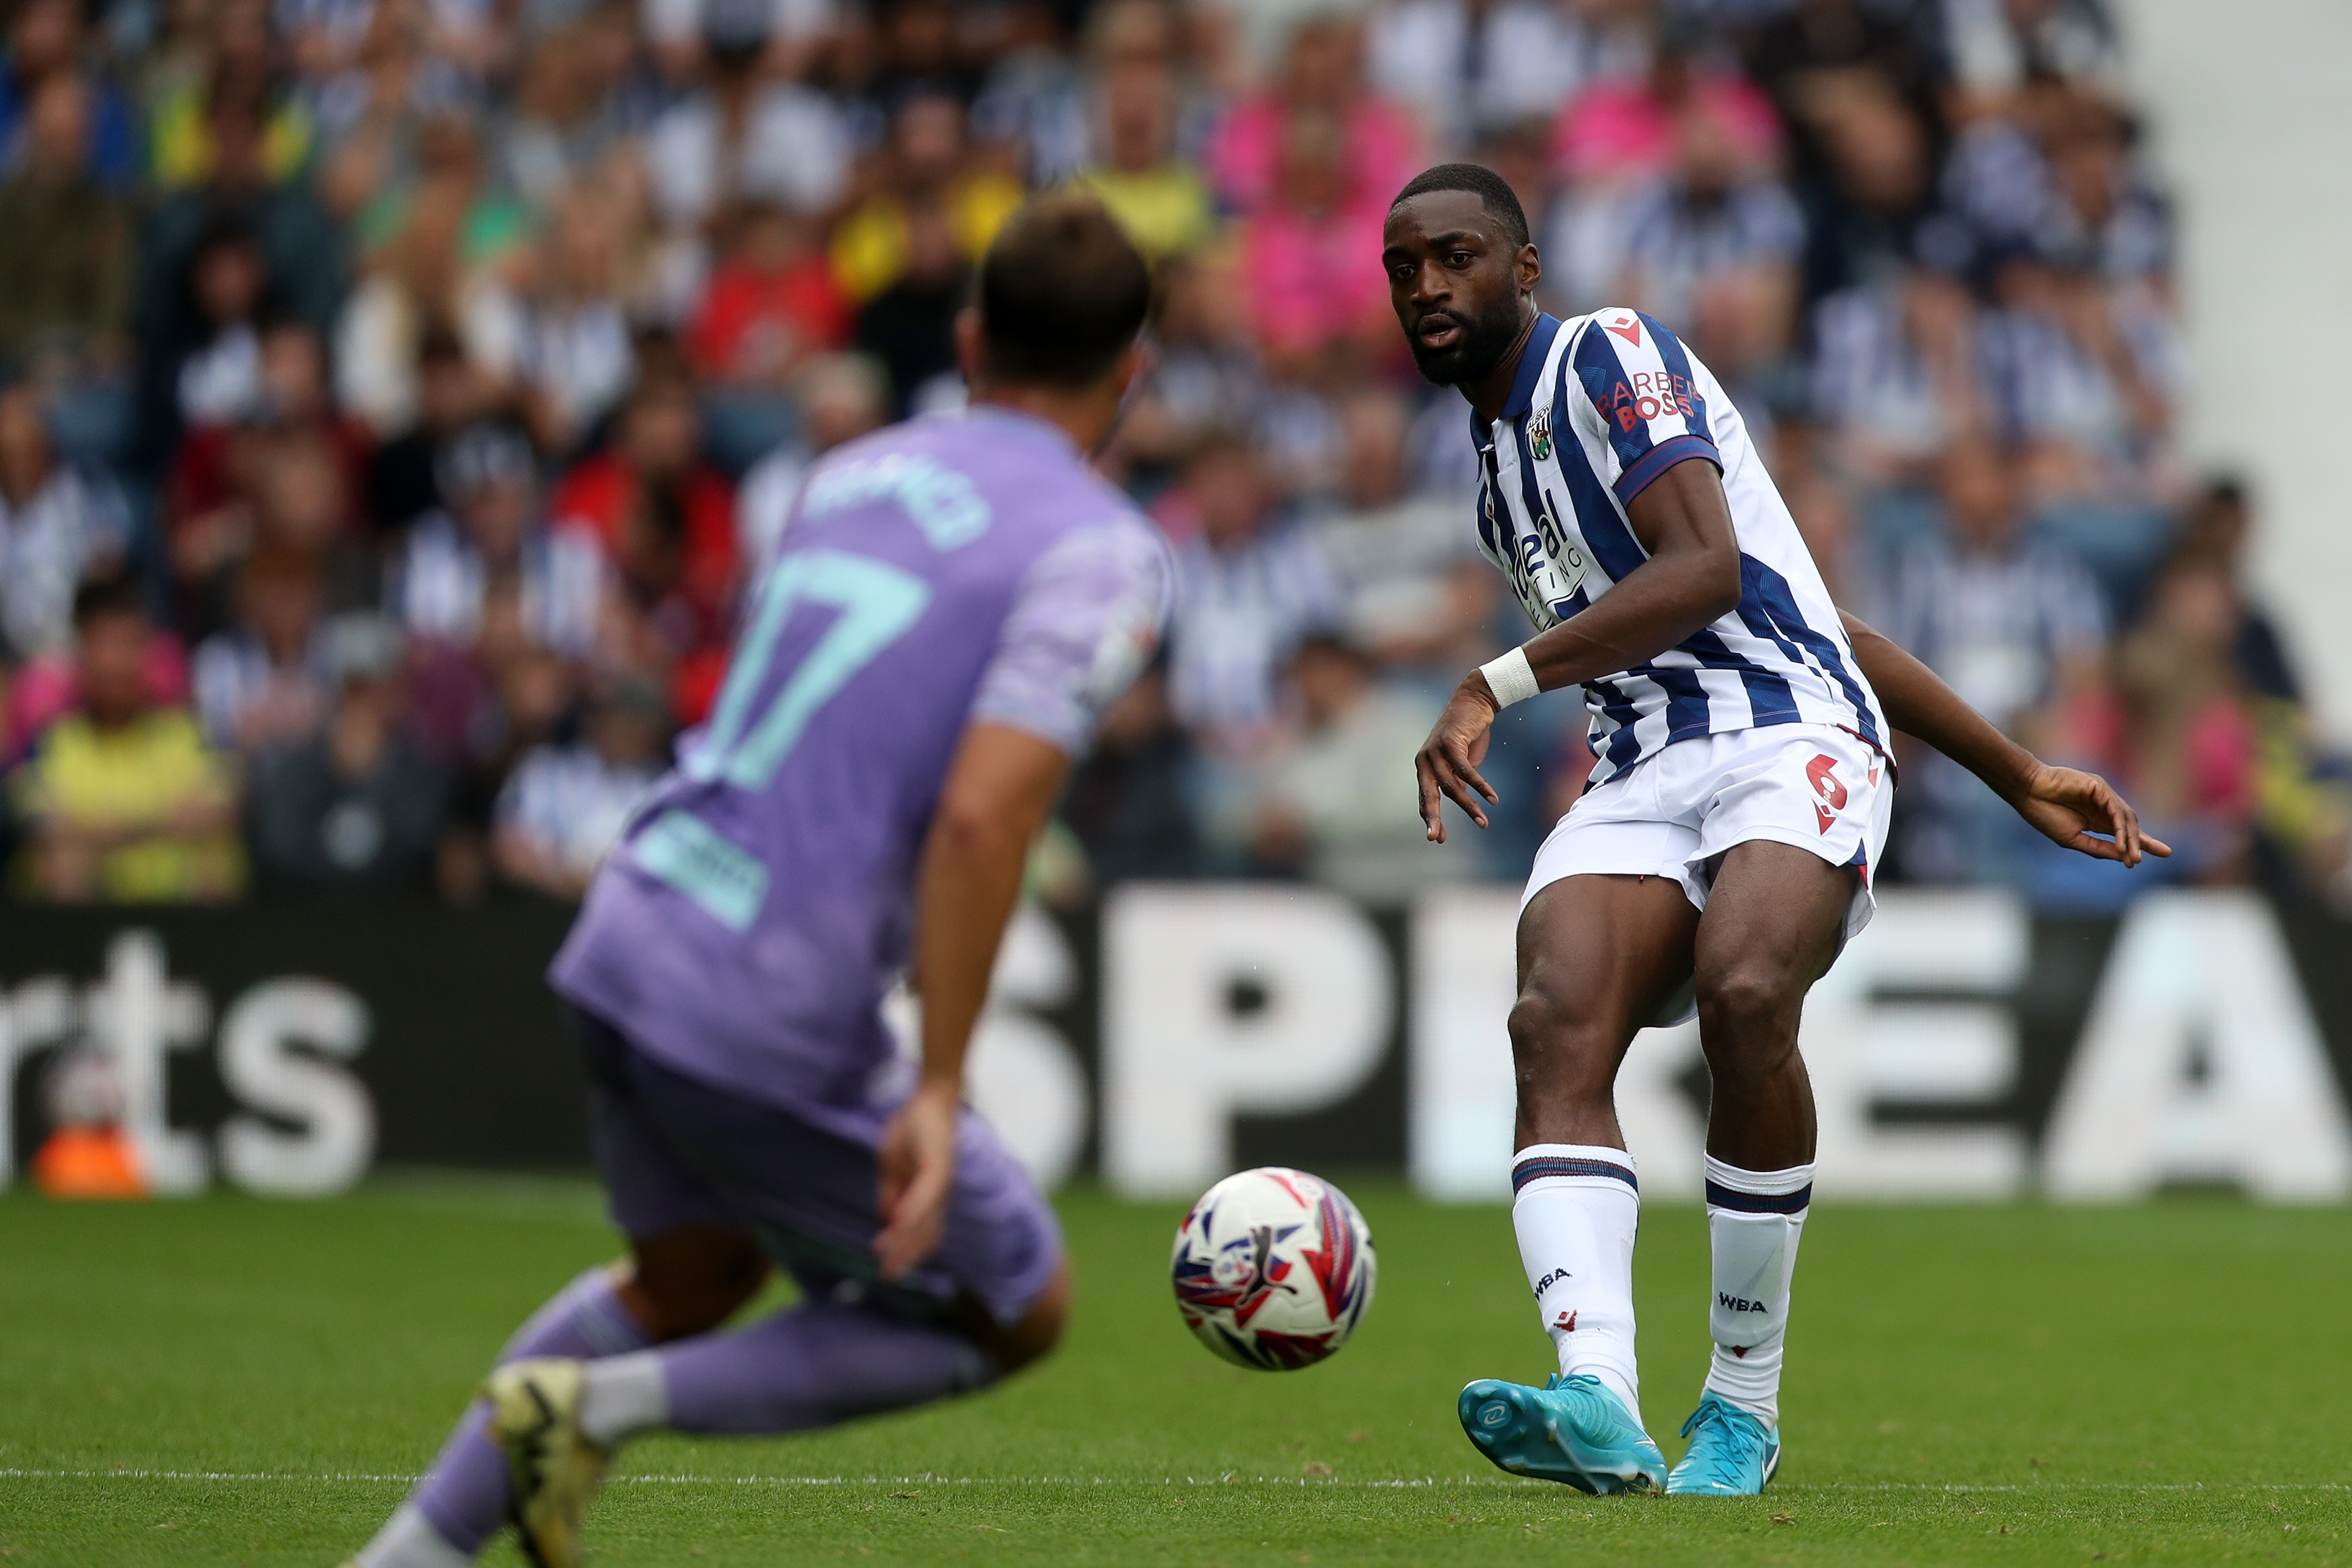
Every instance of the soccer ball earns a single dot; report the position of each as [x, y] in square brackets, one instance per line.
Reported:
[1273, 1269]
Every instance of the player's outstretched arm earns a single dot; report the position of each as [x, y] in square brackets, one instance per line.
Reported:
[1691, 577]
[2065, 805]
[999, 788]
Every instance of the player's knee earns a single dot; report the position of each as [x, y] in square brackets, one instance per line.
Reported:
[690, 1281]
[1039, 1329]
[1746, 1011]
[1555, 1046]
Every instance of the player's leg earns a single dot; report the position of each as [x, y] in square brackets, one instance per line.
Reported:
[1598, 955]
[1774, 922]
[690, 1267]
[989, 1301]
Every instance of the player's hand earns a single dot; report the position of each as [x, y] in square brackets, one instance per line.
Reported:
[1448, 761]
[2070, 807]
[918, 1167]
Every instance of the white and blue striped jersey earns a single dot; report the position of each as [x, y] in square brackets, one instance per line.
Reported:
[1604, 405]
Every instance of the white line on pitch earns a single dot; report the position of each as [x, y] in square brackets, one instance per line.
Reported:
[372, 1478]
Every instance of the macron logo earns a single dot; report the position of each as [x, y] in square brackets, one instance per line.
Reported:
[1731, 1303]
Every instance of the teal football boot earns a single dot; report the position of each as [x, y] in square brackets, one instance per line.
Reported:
[1571, 1429]
[1732, 1454]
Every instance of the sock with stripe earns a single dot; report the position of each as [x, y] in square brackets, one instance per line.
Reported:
[1753, 1221]
[1576, 1209]
[462, 1500]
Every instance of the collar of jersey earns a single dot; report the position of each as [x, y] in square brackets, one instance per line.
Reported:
[1531, 363]
[1014, 419]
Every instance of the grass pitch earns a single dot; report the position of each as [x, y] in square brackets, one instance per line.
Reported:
[236, 1381]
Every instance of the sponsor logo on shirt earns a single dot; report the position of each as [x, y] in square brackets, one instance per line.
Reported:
[1652, 395]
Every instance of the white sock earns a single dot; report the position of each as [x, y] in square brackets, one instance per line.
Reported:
[1576, 1210]
[409, 1540]
[621, 1396]
[1753, 1219]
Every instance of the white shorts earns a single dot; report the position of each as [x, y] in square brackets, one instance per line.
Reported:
[1674, 814]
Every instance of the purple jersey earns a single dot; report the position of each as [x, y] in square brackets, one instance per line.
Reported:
[951, 570]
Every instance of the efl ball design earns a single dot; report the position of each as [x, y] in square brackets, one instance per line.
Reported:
[1274, 1269]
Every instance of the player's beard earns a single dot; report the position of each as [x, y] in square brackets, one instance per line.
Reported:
[1480, 345]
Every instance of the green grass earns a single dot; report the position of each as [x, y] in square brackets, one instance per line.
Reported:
[236, 1381]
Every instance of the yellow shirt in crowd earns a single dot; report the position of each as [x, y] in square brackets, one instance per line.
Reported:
[141, 774]
[869, 249]
[1165, 211]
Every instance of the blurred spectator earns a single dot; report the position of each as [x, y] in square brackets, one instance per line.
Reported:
[2303, 796]
[842, 397]
[489, 537]
[217, 380]
[1711, 248]
[122, 800]
[744, 133]
[769, 305]
[357, 808]
[1250, 586]
[2187, 751]
[65, 274]
[1896, 375]
[1311, 253]
[1625, 129]
[568, 120]
[1159, 197]
[1375, 147]
[401, 482]
[908, 327]
[299, 505]
[665, 522]
[1205, 374]
[58, 525]
[2013, 623]
[45, 49]
[1417, 593]
[439, 254]
[565, 807]
[262, 680]
[933, 191]
[1467, 68]
[1329, 802]
[214, 480]
[2083, 377]
[240, 123]
[1126, 804]
[559, 339]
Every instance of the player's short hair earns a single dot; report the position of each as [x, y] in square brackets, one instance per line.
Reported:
[1062, 292]
[1479, 180]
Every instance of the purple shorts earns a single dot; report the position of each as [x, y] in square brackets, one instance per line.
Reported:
[674, 1150]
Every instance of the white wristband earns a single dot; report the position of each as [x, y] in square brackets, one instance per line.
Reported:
[1511, 678]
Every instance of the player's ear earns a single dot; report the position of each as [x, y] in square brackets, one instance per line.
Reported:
[1530, 268]
[971, 355]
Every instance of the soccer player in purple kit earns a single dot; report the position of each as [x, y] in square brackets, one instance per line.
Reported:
[955, 601]
[1721, 855]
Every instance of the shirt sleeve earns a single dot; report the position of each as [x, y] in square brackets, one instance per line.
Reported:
[1086, 620]
[1637, 381]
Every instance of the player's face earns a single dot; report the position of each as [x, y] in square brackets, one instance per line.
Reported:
[1458, 284]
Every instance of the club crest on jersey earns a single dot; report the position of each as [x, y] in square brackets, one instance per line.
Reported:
[1540, 435]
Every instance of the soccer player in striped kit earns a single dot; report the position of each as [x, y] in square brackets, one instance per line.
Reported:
[1722, 853]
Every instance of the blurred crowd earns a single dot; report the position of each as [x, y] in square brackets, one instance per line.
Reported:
[398, 392]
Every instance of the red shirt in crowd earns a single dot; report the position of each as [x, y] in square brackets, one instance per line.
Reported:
[754, 323]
